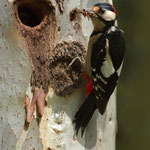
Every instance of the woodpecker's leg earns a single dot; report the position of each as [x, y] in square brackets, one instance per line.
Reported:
[38, 100]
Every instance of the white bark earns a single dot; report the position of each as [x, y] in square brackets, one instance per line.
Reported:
[55, 130]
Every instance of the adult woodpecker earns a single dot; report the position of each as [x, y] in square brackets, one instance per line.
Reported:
[105, 55]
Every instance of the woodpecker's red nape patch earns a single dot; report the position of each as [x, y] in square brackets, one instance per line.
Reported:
[89, 86]
[114, 10]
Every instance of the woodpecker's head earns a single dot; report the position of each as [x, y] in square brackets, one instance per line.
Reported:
[102, 15]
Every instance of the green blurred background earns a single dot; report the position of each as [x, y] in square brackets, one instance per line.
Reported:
[134, 92]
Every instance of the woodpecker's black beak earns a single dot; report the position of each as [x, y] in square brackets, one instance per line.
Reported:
[89, 10]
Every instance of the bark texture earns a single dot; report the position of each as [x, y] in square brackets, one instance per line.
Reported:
[34, 54]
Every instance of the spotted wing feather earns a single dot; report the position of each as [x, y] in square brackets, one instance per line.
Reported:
[104, 86]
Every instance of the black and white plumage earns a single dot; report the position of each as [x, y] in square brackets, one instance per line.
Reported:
[104, 61]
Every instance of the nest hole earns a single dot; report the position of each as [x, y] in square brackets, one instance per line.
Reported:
[30, 13]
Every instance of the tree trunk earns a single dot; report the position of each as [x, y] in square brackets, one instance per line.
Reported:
[36, 42]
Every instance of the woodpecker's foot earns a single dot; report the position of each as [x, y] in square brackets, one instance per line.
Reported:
[38, 100]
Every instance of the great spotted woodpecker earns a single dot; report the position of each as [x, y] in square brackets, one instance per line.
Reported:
[104, 61]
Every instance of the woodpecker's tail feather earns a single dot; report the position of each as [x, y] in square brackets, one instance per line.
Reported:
[101, 105]
[85, 113]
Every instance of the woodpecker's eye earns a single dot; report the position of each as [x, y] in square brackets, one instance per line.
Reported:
[102, 11]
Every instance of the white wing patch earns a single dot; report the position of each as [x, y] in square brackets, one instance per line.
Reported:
[107, 69]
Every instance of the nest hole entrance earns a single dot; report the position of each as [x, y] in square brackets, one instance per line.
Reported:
[30, 13]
